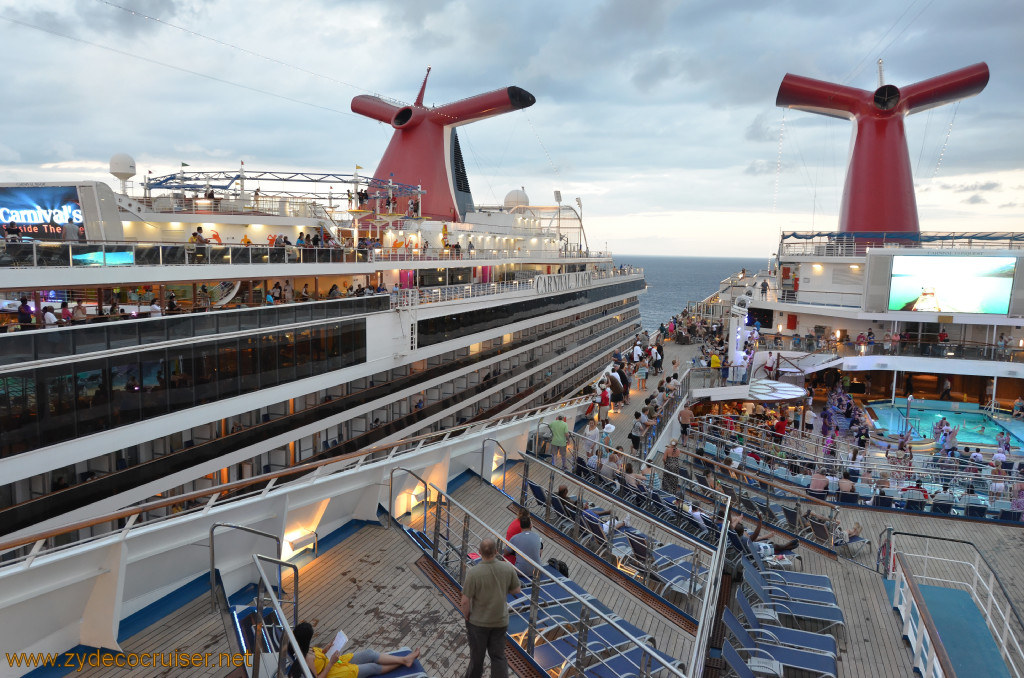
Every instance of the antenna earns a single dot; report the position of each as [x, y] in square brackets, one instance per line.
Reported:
[881, 72]
[423, 88]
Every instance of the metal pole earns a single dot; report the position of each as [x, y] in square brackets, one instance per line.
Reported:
[437, 520]
[465, 550]
[531, 630]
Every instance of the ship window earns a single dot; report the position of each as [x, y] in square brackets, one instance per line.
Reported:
[125, 388]
[249, 364]
[57, 393]
[303, 362]
[153, 372]
[181, 392]
[268, 359]
[204, 360]
[92, 396]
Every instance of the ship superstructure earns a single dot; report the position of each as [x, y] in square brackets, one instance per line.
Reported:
[298, 316]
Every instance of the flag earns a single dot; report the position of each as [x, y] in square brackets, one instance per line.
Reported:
[358, 167]
[185, 164]
[150, 171]
[243, 163]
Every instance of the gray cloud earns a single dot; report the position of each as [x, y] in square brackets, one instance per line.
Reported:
[672, 93]
[758, 130]
[975, 199]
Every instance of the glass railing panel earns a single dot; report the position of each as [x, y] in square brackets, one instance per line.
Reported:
[52, 254]
[218, 254]
[229, 322]
[173, 254]
[122, 334]
[277, 255]
[118, 255]
[303, 314]
[259, 254]
[152, 332]
[204, 324]
[179, 327]
[19, 347]
[239, 254]
[91, 338]
[285, 314]
[147, 255]
[52, 344]
[269, 315]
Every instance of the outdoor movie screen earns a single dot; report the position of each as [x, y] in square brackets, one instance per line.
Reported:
[951, 284]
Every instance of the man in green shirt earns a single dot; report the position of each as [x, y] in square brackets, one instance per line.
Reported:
[484, 604]
[559, 435]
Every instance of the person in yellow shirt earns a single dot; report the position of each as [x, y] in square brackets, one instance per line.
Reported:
[350, 665]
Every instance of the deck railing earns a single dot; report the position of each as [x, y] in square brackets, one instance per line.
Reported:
[201, 501]
[42, 254]
[962, 566]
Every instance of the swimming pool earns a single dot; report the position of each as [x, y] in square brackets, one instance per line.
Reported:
[977, 427]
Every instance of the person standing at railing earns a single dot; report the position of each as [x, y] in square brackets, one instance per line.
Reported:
[483, 604]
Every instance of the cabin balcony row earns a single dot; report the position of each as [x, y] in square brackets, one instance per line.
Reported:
[60, 402]
[333, 422]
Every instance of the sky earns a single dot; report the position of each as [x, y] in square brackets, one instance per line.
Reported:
[659, 114]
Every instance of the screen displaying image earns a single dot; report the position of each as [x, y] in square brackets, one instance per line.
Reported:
[40, 211]
[951, 284]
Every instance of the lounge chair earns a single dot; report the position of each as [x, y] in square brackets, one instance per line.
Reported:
[632, 663]
[781, 635]
[800, 659]
[787, 592]
[818, 581]
[852, 546]
[762, 664]
[772, 610]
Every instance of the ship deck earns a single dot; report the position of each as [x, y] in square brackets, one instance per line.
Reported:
[369, 586]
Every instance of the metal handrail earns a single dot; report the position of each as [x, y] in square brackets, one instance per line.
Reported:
[521, 557]
[936, 645]
[980, 554]
[213, 528]
[391, 489]
[267, 588]
[710, 594]
[271, 478]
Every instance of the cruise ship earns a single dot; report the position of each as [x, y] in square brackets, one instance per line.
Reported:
[360, 496]
[299, 316]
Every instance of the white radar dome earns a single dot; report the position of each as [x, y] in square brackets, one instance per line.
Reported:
[516, 198]
[122, 166]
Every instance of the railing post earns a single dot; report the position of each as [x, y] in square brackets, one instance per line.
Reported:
[577, 519]
[465, 550]
[581, 641]
[547, 499]
[437, 519]
[526, 478]
[531, 630]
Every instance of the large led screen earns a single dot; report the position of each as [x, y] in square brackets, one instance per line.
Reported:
[951, 284]
[40, 211]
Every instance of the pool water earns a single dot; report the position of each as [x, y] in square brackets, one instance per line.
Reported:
[976, 427]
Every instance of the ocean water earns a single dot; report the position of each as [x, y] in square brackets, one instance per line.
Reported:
[674, 281]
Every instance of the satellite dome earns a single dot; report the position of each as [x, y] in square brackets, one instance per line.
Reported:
[516, 198]
[122, 166]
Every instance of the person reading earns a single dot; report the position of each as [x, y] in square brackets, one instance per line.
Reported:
[351, 665]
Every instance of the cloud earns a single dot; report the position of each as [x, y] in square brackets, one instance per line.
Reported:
[974, 188]
[758, 130]
[8, 154]
[975, 199]
[1008, 205]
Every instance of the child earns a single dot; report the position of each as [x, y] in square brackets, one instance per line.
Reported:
[641, 375]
